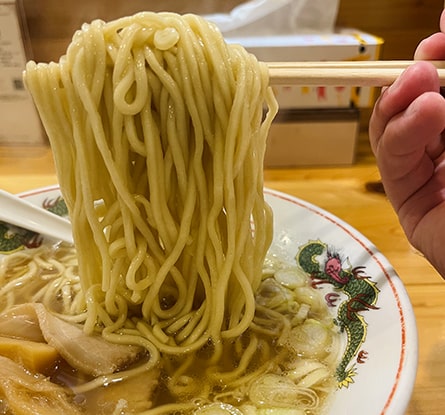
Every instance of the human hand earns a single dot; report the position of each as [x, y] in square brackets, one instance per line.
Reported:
[407, 137]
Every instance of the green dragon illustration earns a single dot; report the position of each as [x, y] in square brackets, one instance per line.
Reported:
[13, 238]
[362, 295]
[56, 206]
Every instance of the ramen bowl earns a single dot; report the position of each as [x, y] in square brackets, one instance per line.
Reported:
[377, 367]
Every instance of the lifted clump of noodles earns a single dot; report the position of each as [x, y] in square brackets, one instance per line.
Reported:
[158, 130]
[158, 135]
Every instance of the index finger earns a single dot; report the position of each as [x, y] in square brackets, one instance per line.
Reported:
[433, 47]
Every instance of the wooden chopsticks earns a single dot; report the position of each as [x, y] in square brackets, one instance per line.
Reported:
[348, 73]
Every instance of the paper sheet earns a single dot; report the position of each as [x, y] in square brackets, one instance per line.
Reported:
[278, 17]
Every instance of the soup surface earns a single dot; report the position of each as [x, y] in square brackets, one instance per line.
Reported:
[286, 359]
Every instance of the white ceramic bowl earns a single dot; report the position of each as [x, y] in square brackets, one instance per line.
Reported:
[385, 363]
[379, 330]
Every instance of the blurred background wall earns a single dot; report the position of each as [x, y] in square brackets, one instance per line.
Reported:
[402, 23]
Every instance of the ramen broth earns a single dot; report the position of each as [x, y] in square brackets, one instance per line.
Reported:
[191, 383]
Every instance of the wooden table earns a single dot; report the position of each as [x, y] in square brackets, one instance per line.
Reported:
[345, 192]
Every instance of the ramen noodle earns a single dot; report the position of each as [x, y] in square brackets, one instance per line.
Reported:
[158, 130]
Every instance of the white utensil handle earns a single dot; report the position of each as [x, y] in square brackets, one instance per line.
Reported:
[20, 212]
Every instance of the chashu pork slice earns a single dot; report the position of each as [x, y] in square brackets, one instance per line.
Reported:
[88, 353]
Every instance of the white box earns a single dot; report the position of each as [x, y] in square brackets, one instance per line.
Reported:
[19, 121]
[341, 45]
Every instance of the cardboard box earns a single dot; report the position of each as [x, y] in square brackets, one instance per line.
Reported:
[19, 121]
[341, 45]
[312, 137]
[316, 125]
